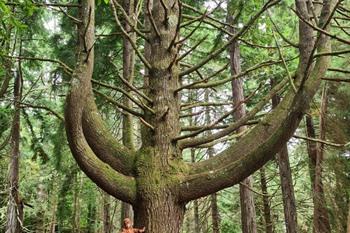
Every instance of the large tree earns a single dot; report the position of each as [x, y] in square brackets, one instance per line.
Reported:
[154, 179]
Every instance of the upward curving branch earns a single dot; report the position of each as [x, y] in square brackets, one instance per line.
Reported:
[116, 184]
[262, 142]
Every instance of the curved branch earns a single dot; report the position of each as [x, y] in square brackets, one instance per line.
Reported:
[103, 143]
[260, 144]
[120, 186]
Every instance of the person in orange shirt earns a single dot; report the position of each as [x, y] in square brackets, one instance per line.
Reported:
[128, 228]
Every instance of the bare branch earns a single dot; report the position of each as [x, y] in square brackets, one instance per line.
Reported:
[320, 29]
[119, 105]
[65, 67]
[46, 4]
[322, 141]
[129, 85]
[56, 114]
[192, 49]
[127, 94]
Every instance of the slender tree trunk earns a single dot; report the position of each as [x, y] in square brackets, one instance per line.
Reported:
[91, 228]
[53, 210]
[197, 227]
[348, 231]
[215, 216]
[15, 204]
[321, 219]
[289, 204]
[266, 202]
[106, 213]
[316, 153]
[128, 74]
[248, 214]
[76, 204]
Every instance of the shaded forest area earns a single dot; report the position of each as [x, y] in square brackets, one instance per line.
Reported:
[184, 116]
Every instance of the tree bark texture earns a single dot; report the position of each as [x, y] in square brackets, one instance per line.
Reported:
[154, 178]
[14, 219]
[289, 204]
[266, 202]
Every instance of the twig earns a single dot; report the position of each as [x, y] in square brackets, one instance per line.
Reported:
[62, 64]
[322, 141]
[283, 61]
[192, 49]
[146, 123]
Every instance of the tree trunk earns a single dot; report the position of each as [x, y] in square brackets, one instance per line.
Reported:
[15, 205]
[266, 202]
[91, 217]
[215, 216]
[248, 214]
[197, 228]
[76, 203]
[106, 213]
[128, 74]
[159, 212]
[289, 206]
[348, 231]
[316, 153]
[321, 219]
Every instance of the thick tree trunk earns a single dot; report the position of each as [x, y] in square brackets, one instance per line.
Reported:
[248, 214]
[266, 202]
[15, 205]
[159, 212]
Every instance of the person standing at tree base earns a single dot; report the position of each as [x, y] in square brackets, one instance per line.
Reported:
[128, 228]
